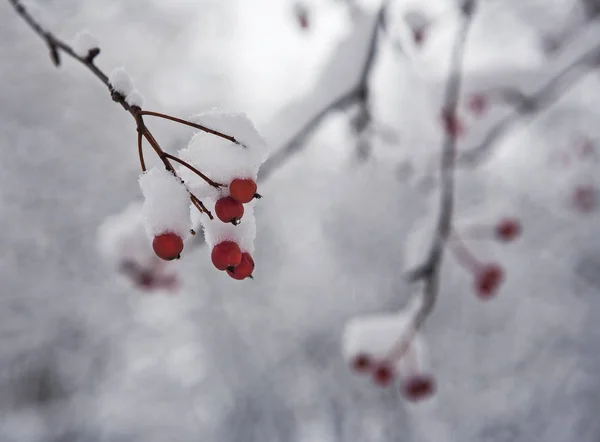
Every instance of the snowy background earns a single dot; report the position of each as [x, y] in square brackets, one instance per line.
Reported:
[86, 357]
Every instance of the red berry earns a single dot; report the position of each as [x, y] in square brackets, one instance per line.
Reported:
[244, 269]
[585, 198]
[229, 210]
[478, 104]
[361, 363]
[383, 375]
[508, 229]
[452, 124]
[226, 254]
[167, 246]
[487, 280]
[242, 190]
[418, 387]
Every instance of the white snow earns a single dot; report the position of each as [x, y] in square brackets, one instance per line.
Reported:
[121, 81]
[218, 158]
[122, 237]
[83, 43]
[135, 98]
[216, 231]
[374, 335]
[166, 204]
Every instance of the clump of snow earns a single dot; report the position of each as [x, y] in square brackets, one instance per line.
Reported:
[135, 98]
[218, 158]
[121, 81]
[122, 238]
[216, 231]
[166, 204]
[374, 335]
[83, 43]
[124, 244]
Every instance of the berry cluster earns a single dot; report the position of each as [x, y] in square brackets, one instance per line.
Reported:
[487, 276]
[386, 348]
[167, 210]
[414, 387]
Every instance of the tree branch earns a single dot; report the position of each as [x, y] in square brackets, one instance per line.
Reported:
[532, 104]
[58, 46]
[429, 271]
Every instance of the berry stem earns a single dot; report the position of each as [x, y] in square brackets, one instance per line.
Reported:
[194, 125]
[193, 169]
[140, 139]
[199, 205]
[462, 254]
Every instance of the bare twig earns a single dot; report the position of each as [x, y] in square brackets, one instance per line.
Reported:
[532, 104]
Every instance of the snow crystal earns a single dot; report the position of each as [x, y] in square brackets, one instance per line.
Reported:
[216, 231]
[120, 81]
[374, 335]
[166, 205]
[83, 43]
[218, 158]
[135, 98]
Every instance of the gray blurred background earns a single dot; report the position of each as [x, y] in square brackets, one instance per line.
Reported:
[84, 357]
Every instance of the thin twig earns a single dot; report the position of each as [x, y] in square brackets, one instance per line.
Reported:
[429, 272]
[140, 139]
[532, 104]
[194, 125]
[193, 169]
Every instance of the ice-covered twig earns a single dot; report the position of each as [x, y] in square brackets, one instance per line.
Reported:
[531, 105]
[429, 271]
[121, 89]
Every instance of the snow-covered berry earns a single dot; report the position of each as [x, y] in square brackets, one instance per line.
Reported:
[168, 246]
[226, 255]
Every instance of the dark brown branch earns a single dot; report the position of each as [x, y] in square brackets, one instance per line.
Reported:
[140, 139]
[194, 125]
[193, 169]
[531, 105]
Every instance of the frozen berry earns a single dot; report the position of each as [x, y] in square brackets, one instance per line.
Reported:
[244, 269]
[168, 246]
[225, 255]
[242, 190]
[229, 210]
[487, 280]
[508, 229]
[418, 387]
